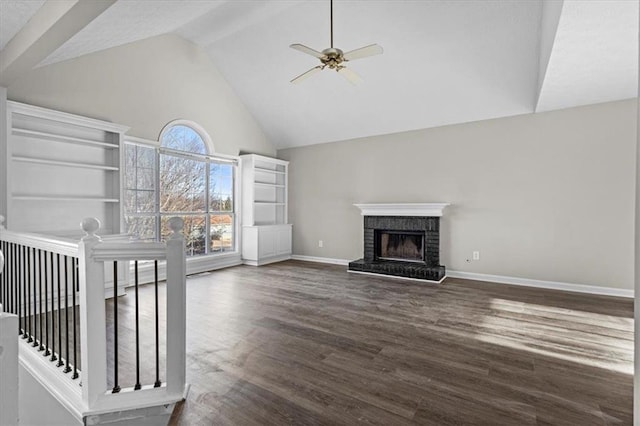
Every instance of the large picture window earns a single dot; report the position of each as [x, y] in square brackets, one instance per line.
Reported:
[181, 178]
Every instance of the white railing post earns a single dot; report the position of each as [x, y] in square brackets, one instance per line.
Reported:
[9, 369]
[93, 336]
[8, 360]
[1, 258]
[176, 308]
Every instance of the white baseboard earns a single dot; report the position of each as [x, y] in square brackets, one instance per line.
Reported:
[342, 262]
[195, 265]
[266, 260]
[553, 285]
[501, 279]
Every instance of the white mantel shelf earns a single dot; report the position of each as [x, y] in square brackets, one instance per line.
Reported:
[402, 209]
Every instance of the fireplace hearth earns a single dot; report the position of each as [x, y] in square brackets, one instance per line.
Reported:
[401, 241]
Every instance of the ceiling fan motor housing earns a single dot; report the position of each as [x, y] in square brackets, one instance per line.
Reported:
[332, 57]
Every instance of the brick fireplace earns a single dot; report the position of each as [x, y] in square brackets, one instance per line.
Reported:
[401, 240]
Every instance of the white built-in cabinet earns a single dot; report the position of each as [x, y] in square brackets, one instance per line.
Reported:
[61, 168]
[266, 233]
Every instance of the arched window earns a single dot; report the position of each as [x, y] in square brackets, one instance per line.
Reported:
[191, 182]
[181, 137]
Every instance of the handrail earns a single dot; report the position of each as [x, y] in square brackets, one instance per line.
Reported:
[124, 251]
[37, 262]
[57, 245]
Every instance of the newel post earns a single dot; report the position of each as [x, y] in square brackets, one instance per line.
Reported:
[176, 308]
[93, 338]
[1, 254]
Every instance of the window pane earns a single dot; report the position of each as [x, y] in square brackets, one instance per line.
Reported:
[194, 233]
[146, 157]
[146, 178]
[129, 165]
[143, 228]
[139, 179]
[183, 138]
[221, 188]
[145, 201]
[182, 184]
[221, 232]
[130, 201]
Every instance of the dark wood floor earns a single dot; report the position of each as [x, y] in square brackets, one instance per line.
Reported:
[303, 343]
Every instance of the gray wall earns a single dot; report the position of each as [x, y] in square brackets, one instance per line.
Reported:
[545, 196]
[145, 85]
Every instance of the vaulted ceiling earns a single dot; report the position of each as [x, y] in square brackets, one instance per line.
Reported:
[444, 62]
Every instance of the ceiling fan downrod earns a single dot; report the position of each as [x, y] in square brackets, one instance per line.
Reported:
[331, 11]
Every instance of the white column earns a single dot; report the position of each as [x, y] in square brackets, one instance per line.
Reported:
[4, 157]
[176, 308]
[93, 335]
[9, 369]
[1, 259]
[636, 377]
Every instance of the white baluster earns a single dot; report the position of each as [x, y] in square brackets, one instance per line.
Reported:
[92, 316]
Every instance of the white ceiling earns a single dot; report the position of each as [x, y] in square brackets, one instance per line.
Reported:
[595, 55]
[444, 62]
[13, 15]
[128, 21]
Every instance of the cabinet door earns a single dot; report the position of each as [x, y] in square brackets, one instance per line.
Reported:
[283, 240]
[250, 243]
[267, 242]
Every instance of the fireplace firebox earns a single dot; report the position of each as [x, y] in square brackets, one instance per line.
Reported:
[404, 245]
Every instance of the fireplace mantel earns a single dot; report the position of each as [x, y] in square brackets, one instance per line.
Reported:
[402, 209]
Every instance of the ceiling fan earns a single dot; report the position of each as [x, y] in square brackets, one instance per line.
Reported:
[335, 58]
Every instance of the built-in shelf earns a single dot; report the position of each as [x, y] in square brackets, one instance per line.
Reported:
[270, 185]
[266, 235]
[62, 168]
[261, 169]
[63, 198]
[269, 203]
[61, 138]
[64, 163]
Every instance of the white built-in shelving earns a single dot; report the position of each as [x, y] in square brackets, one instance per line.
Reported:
[61, 167]
[64, 163]
[266, 233]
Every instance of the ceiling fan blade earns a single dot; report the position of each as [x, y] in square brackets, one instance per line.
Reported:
[350, 75]
[363, 52]
[309, 51]
[307, 74]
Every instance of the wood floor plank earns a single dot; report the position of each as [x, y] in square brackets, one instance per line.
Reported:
[310, 344]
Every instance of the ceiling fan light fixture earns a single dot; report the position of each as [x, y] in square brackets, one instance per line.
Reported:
[333, 58]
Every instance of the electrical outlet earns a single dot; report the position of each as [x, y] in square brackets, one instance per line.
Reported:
[476, 255]
[320, 243]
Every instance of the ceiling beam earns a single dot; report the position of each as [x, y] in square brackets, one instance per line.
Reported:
[49, 28]
[231, 17]
[551, 12]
